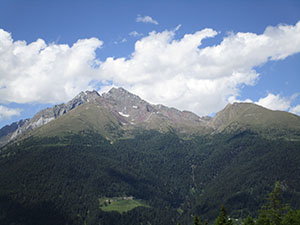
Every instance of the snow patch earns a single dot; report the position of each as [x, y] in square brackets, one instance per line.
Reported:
[122, 114]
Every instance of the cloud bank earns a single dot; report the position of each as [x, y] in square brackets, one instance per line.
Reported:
[162, 69]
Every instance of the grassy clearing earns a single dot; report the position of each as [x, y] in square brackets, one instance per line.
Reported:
[120, 204]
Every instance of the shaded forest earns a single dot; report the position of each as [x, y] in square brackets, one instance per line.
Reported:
[60, 180]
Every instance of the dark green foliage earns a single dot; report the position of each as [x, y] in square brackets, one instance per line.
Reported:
[62, 178]
[249, 221]
[272, 213]
[223, 219]
[241, 170]
[196, 220]
[291, 218]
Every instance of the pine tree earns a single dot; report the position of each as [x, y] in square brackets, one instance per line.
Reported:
[196, 220]
[223, 218]
[272, 213]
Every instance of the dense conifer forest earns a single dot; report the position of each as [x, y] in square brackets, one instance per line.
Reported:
[274, 212]
[61, 180]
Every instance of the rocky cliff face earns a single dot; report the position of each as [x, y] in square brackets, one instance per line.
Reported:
[45, 116]
[7, 131]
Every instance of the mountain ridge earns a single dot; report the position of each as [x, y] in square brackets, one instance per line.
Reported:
[129, 112]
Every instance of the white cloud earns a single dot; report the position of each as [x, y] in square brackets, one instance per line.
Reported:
[7, 113]
[295, 110]
[180, 73]
[162, 69]
[146, 19]
[275, 102]
[45, 73]
[135, 34]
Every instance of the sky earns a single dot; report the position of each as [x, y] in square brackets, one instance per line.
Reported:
[191, 55]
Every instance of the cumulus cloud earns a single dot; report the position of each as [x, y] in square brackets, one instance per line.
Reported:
[275, 102]
[161, 69]
[180, 73]
[7, 113]
[45, 73]
[278, 102]
[295, 110]
[146, 19]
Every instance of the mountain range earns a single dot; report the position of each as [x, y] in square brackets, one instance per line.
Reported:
[69, 161]
[120, 113]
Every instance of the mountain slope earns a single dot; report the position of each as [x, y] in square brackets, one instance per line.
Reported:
[117, 145]
[86, 117]
[175, 177]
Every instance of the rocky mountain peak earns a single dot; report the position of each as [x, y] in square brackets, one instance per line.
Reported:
[85, 96]
[121, 95]
[131, 110]
[45, 116]
[124, 102]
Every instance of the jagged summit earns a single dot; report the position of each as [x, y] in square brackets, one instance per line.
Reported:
[121, 95]
[86, 96]
[81, 98]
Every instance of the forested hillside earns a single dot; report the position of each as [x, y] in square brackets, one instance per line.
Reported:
[64, 178]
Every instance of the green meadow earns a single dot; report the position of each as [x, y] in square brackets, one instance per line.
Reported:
[119, 204]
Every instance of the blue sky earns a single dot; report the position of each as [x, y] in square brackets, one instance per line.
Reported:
[192, 55]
